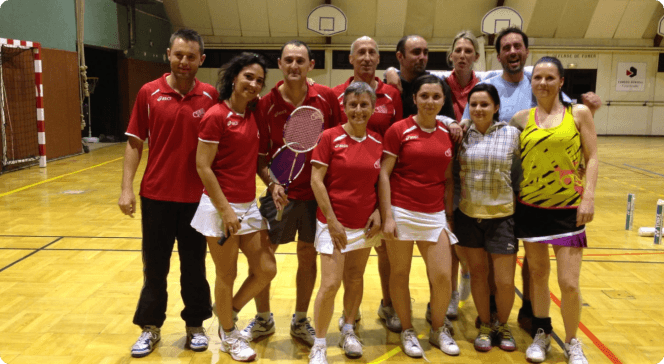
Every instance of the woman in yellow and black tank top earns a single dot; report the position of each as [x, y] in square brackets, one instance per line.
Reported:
[555, 202]
[550, 159]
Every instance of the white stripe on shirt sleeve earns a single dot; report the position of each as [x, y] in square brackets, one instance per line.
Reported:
[209, 141]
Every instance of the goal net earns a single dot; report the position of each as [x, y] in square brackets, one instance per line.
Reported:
[22, 116]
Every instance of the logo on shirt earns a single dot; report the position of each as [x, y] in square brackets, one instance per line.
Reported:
[232, 123]
[341, 146]
[199, 113]
[382, 109]
[448, 153]
[411, 137]
[280, 112]
[377, 164]
[164, 98]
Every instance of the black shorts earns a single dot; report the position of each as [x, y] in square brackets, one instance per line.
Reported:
[496, 236]
[299, 217]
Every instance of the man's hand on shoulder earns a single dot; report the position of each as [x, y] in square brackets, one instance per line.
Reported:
[592, 101]
[392, 78]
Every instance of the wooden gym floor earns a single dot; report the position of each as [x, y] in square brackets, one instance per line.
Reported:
[70, 275]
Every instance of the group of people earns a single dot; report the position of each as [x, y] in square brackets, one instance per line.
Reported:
[463, 163]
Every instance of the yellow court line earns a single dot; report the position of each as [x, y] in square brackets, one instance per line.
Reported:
[391, 353]
[58, 177]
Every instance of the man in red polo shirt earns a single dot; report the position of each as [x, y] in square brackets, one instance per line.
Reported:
[167, 112]
[364, 57]
[300, 205]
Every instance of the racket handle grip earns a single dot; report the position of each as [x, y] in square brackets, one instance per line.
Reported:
[225, 237]
[280, 214]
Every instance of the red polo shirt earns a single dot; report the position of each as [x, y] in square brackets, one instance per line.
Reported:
[352, 173]
[235, 163]
[170, 123]
[418, 179]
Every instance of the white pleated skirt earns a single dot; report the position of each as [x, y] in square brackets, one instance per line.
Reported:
[421, 226]
[355, 238]
[208, 222]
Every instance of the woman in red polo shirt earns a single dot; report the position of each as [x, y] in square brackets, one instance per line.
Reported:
[229, 176]
[346, 164]
[416, 190]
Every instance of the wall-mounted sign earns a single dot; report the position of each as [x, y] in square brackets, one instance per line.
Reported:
[327, 20]
[569, 56]
[500, 18]
[631, 77]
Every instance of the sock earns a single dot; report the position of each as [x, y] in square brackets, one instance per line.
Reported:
[320, 342]
[526, 309]
[235, 315]
[299, 316]
[492, 304]
[347, 327]
[263, 315]
[229, 332]
[543, 323]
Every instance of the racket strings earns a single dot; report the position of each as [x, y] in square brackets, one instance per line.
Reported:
[303, 130]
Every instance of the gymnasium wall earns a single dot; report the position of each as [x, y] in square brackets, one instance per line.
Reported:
[133, 74]
[53, 24]
[107, 26]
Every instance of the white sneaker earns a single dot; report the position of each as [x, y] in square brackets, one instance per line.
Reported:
[541, 345]
[303, 330]
[464, 286]
[411, 345]
[196, 339]
[237, 346]
[146, 342]
[442, 339]
[453, 308]
[258, 327]
[574, 352]
[318, 355]
[351, 344]
[390, 317]
[342, 321]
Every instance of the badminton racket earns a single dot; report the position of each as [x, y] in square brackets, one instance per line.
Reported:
[301, 133]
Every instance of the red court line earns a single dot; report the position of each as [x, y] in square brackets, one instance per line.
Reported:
[609, 354]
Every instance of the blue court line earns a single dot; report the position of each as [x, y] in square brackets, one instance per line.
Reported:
[641, 169]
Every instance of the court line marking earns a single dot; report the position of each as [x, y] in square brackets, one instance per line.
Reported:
[609, 354]
[69, 236]
[641, 169]
[58, 177]
[29, 255]
[619, 167]
[607, 255]
[391, 353]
